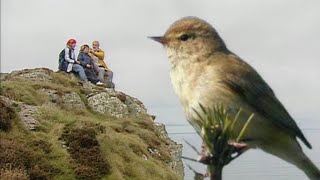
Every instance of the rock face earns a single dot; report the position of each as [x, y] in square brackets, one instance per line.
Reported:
[175, 150]
[73, 100]
[27, 113]
[106, 103]
[115, 104]
[39, 74]
[109, 102]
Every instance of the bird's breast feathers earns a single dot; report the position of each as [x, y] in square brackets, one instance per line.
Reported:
[197, 83]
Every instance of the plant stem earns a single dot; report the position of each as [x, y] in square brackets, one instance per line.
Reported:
[216, 173]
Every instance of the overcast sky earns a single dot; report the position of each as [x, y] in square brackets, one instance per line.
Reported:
[278, 38]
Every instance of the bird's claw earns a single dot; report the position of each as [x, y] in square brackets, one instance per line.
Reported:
[239, 146]
[205, 157]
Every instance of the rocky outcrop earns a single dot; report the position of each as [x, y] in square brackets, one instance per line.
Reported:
[106, 103]
[39, 74]
[116, 104]
[175, 150]
[72, 100]
[27, 113]
[109, 102]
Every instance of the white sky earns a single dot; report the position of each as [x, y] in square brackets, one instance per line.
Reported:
[279, 38]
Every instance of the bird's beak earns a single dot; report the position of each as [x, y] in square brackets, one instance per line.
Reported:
[159, 39]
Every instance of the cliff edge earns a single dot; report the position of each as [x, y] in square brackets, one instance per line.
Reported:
[54, 127]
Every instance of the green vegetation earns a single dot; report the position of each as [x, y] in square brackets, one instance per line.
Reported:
[78, 143]
[217, 133]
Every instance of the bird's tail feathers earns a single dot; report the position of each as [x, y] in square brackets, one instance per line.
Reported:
[290, 151]
[309, 168]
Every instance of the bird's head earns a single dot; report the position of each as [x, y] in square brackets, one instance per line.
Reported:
[190, 36]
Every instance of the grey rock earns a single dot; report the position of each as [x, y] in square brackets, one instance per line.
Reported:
[39, 74]
[116, 104]
[88, 86]
[175, 150]
[52, 94]
[72, 100]
[135, 107]
[28, 115]
[109, 104]
[176, 163]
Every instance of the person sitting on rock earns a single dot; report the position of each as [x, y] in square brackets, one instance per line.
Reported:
[88, 65]
[100, 66]
[68, 62]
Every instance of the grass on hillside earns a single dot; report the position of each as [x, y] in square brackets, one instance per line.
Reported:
[120, 144]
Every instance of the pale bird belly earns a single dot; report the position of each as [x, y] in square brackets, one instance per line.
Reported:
[208, 92]
[198, 86]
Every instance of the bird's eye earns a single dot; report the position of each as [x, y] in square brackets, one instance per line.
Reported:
[184, 37]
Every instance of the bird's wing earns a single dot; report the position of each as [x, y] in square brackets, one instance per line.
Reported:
[248, 84]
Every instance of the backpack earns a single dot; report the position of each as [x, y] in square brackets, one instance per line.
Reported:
[62, 59]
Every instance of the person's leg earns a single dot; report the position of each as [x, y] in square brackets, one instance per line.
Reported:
[100, 72]
[92, 77]
[80, 71]
[109, 75]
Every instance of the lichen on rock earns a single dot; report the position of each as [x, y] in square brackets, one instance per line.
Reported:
[107, 104]
[115, 104]
[73, 101]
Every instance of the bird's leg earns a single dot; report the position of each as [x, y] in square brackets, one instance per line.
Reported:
[205, 157]
[239, 148]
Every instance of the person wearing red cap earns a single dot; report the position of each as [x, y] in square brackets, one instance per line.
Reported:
[68, 62]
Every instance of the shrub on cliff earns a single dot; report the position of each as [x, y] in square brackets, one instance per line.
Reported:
[18, 155]
[7, 114]
[85, 152]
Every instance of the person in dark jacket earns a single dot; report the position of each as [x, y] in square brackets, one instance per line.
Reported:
[69, 63]
[87, 64]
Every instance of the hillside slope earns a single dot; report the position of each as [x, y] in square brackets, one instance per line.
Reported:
[54, 127]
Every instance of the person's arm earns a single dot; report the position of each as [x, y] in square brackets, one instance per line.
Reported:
[99, 54]
[66, 55]
[93, 57]
[81, 60]
[91, 61]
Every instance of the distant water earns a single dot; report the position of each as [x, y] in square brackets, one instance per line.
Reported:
[254, 164]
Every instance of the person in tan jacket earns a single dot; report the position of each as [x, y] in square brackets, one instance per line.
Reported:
[104, 73]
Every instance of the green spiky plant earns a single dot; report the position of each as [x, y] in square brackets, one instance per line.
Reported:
[215, 127]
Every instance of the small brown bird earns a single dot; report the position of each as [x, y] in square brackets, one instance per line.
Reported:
[203, 71]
